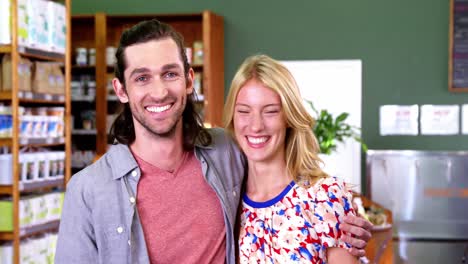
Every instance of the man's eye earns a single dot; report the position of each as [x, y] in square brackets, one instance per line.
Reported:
[141, 79]
[171, 75]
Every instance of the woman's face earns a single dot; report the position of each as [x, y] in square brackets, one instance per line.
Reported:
[259, 123]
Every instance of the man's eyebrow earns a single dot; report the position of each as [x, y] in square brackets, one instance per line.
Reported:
[138, 71]
[170, 66]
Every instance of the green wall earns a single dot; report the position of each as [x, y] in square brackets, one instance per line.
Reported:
[403, 45]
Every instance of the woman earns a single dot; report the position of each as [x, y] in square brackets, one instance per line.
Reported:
[291, 209]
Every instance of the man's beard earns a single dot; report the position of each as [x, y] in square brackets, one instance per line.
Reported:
[146, 123]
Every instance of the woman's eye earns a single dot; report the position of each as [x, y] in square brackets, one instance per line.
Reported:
[243, 111]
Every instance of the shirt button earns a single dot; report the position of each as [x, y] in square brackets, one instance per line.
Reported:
[129, 243]
[234, 193]
[134, 173]
[132, 199]
[119, 230]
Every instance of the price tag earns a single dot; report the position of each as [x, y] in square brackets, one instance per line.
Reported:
[28, 95]
[49, 140]
[48, 97]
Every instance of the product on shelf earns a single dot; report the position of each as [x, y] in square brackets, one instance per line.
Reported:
[6, 252]
[41, 25]
[197, 83]
[5, 18]
[33, 210]
[81, 56]
[110, 55]
[6, 121]
[6, 169]
[198, 52]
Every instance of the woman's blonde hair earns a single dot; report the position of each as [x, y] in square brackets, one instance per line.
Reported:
[301, 144]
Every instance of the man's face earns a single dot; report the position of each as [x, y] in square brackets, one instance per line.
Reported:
[155, 87]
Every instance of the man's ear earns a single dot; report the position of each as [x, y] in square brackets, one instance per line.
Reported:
[189, 85]
[119, 90]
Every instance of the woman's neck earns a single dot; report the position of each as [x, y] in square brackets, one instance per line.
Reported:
[266, 180]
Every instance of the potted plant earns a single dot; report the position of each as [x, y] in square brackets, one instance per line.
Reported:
[330, 130]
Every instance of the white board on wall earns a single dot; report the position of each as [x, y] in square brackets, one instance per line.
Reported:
[335, 85]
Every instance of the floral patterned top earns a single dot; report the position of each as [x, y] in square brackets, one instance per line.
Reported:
[297, 226]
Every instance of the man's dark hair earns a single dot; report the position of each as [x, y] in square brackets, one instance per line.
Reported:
[122, 129]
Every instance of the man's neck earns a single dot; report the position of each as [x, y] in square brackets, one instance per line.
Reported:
[162, 152]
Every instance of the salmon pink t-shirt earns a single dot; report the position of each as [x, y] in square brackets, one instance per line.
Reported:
[181, 215]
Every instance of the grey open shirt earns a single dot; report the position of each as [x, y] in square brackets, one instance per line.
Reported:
[100, 222]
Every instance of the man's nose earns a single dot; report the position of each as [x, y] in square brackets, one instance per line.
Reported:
[159, 90]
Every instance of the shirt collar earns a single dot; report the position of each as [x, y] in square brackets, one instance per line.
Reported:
[122, 161]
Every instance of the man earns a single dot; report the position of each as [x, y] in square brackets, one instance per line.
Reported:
[187, 178]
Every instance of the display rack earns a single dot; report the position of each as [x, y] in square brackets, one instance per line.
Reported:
[100, 31]
[16, 99]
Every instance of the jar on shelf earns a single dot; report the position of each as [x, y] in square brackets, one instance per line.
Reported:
[92, 57]
[197, 52]
[81, 56]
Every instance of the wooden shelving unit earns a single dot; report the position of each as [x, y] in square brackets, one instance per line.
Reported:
[15, 99]
[206, 27]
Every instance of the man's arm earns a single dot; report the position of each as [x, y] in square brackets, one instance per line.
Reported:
[360, 229]
[76, 240]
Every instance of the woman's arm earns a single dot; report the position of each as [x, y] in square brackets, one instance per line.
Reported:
[337, 255]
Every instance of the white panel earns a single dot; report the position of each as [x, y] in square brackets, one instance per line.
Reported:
[337, 87]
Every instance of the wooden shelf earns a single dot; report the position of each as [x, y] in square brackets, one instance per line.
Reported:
[32, 230]
[33, 186]
[197, 67]
[41, 54]
[6, 142]
[6, 236]
[6, 189]
[42, 142]
[5, 95]
[34, 98]
[84, 132]
[5, 48]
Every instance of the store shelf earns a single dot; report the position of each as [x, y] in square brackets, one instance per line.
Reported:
[32, 230]
[34, 98]
[5, 48]
[42, 142]
[83, 98]
[41, 98]
[197, 67]
[5, 95]
[84, 132]
[112, 98]
[6, 142]
[32, 186]
[41, 54]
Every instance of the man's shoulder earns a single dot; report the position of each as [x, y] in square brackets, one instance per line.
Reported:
[219, 136]
[99, 172]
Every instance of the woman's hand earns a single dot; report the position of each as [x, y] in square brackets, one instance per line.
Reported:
[360, 229]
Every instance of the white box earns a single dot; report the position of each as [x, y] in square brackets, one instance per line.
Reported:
[6, 169]
[5, 25]
[23, 23]
[57, 29]
[6, 253]
[38, 25]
